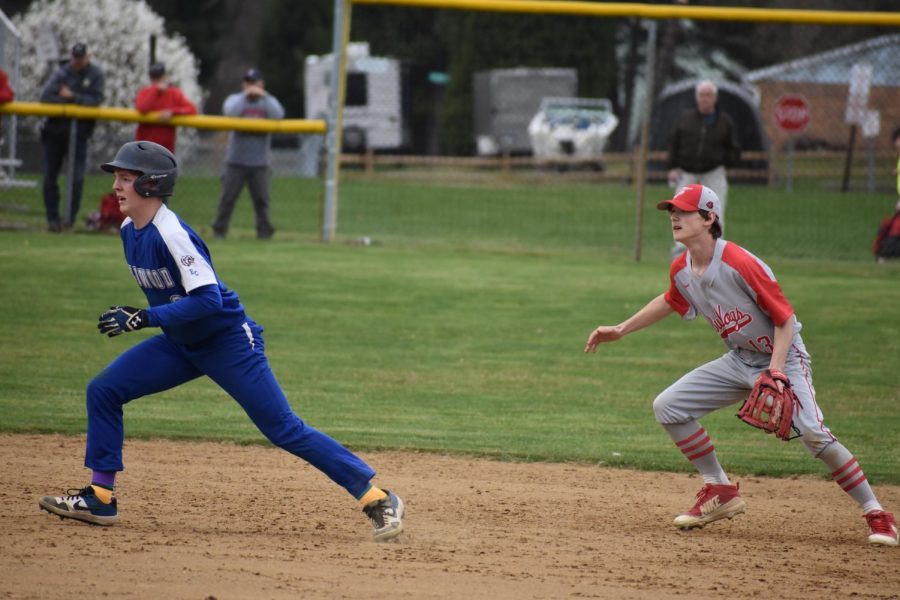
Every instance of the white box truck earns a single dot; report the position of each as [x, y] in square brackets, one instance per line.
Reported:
[506, 100]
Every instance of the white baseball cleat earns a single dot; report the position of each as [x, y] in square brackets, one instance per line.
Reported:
[386, 516]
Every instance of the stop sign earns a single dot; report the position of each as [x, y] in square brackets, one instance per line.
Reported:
[792, 113]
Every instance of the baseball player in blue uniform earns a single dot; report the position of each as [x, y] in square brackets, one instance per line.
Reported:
[205, 331]
[738, 295]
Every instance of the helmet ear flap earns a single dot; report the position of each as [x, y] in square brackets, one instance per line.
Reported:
[159, 184]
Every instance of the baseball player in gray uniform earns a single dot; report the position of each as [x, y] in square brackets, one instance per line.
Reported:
[738, 295]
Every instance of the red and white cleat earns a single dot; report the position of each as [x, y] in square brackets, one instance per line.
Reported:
[882, 528]
[714, 502]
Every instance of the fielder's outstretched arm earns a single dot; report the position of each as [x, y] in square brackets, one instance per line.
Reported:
[655, 310]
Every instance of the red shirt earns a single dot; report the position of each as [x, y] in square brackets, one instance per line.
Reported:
[152, 99]
[890, 227]
[6, 93]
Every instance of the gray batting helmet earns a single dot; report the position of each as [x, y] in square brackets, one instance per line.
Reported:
[157, 166]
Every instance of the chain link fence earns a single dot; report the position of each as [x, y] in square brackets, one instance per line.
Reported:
[295, 187]
[10, 53]
[545, 153]
[830, 115]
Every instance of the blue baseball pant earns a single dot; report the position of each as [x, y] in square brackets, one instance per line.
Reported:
[236, 361]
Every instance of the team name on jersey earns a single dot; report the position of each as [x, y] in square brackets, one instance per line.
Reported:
[159, 279]
[727, 322]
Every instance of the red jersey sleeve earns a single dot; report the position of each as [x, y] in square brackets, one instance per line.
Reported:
[769, 296]
[673, 297]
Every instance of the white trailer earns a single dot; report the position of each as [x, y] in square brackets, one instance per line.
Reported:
[375, 108]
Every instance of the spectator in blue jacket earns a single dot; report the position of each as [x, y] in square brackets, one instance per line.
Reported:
[77, 81]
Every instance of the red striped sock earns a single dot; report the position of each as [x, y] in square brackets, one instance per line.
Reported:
[694, 443]
[849, 476]
[847, 473]
[696, 446]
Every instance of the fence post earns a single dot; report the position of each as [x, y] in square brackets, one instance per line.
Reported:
[789, 179]
[70, 171]
[848, 161]
[341, 33]
[641, 175]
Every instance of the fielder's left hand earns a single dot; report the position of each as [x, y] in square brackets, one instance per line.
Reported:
[121, 319]
[602, 334]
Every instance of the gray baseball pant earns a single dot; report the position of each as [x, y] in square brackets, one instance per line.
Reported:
[233, 179]
[728, 380]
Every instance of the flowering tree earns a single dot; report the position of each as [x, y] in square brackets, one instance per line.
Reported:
[117, 34]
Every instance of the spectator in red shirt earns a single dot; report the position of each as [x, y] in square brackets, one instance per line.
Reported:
[165, 99]
[6, 92]
[6, 95]
[887, 241]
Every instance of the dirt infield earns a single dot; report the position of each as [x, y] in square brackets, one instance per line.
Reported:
[204, 520]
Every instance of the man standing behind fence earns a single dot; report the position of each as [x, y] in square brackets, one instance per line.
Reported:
[702, 143]
[248, 156]
[76, 82]
[165, 99]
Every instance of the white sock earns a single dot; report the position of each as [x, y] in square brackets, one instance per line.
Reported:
[847, 473]
[696, 446]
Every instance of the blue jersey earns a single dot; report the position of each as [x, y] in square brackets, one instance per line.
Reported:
[169, 261]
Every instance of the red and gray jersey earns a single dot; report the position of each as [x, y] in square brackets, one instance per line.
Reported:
[737, 294]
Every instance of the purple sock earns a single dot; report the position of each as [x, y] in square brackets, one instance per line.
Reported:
[105, 478]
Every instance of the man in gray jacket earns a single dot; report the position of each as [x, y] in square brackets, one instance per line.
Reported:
[248, 156]
[76, 82]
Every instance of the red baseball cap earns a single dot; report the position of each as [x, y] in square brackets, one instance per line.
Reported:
[692, 198]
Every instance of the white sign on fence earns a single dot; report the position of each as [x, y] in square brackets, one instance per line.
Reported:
[871, 125]
[46, 44]
[858, 98]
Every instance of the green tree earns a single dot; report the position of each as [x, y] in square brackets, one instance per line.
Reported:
[121, 52]
[463, 43]
[293, 31]
[191, 19]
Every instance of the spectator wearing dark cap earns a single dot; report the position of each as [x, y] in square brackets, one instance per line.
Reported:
[165, 99]
[248, 156]
[77, 81]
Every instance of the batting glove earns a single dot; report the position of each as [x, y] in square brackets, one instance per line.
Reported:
[121, 319]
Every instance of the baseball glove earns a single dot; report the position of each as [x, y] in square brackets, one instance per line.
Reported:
[770, 408]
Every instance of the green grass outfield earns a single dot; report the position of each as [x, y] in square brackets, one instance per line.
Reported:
[436, 341]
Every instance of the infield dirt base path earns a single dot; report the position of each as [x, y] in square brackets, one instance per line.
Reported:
[207, 520]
